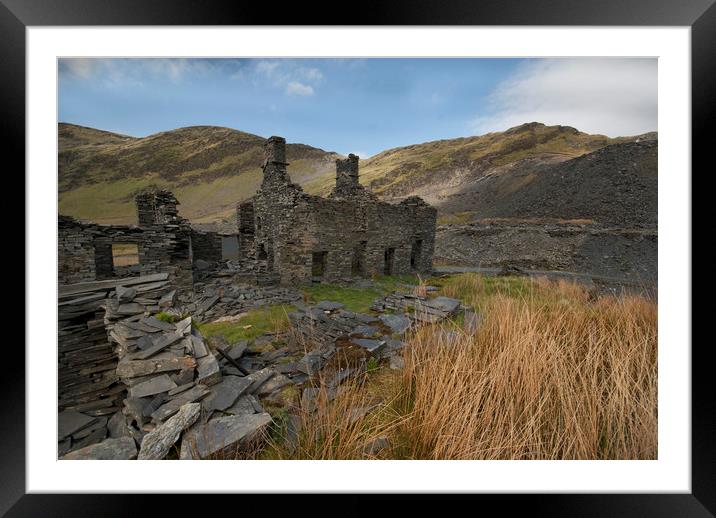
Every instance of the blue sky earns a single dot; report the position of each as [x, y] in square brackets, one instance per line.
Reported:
[360, 106]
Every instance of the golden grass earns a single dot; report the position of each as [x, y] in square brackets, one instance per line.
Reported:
[560, 379]
[552, 372]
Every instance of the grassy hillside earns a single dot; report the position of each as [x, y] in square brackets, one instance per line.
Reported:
[210, 168]
[444, 164]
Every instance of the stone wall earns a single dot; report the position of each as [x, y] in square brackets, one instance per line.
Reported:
[298, 238]
[85, 251]
[76, 252]
[156, 207]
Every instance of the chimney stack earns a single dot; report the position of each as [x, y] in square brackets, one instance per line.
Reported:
[347, 174]
[274, 165]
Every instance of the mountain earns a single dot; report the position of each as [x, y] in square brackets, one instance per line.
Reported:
[210, 169]
[445, 171]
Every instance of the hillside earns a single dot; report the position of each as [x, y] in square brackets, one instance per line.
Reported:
[436, 170]
[208, 168]
[614, 186]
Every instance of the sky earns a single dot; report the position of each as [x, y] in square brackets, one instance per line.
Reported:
[360, 106]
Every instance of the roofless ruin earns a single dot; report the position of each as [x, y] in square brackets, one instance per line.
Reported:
[285, 235]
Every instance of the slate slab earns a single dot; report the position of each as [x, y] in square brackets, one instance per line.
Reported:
[225, 393]
[445, 304]
[117, 426]
[244, 405]
[375, 446]
[167, 300]
[159, 324]
[208, 370]
[199, 347]
[160, 343]
[125, 294]
[127, 368]
[311, 363]
[172, 406]
[258, 378]
[369, 345]
[122, 448]
[69, 422]
[328, 305]
[131, 308]
[157, 443]
[397, 362]
[156, 385]
[184, 326]
[398, 324]
[222, 435]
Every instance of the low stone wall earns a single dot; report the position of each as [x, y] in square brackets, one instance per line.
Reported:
[85, 251]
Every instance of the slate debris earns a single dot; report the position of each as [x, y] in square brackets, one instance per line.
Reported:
[222, 436]
[122, 448]
[157, 443]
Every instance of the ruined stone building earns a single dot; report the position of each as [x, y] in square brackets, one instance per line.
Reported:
[161, 242]
[291, 237]
[284, 236]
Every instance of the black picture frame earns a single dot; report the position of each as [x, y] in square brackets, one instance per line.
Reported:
[700, 15]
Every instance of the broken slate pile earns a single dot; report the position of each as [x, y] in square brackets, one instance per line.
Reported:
[222, 297]
[328, 324]
[176, 392]
[425, 310]
[88, 386]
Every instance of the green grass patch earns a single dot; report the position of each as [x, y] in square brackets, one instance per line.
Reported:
[474, 289]
[255, 323]
[355, 299]
[165, 317]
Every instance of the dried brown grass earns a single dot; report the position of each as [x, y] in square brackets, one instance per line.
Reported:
[553, 372]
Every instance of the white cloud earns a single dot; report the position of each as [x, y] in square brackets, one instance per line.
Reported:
[311, 74]
[287, 75]
[267, 68]
[612, 96]
[81, 67]
[297, 88]
[132, 71]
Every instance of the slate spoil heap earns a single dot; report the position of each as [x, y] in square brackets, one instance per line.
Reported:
[171, 393]
[88, 386]
[175, 389]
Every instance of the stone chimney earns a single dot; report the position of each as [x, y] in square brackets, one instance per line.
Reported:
[347, 174]
[156, 207]
[274, 165]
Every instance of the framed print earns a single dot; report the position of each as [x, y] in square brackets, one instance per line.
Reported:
[445, 250]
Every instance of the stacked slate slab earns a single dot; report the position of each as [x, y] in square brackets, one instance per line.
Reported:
[426, 310]
[89, 389]
[175, 384]
[221, 297]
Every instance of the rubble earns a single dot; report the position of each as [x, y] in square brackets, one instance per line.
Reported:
[157, 443]
[122, 448]
[223, 297]
[223, 435]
